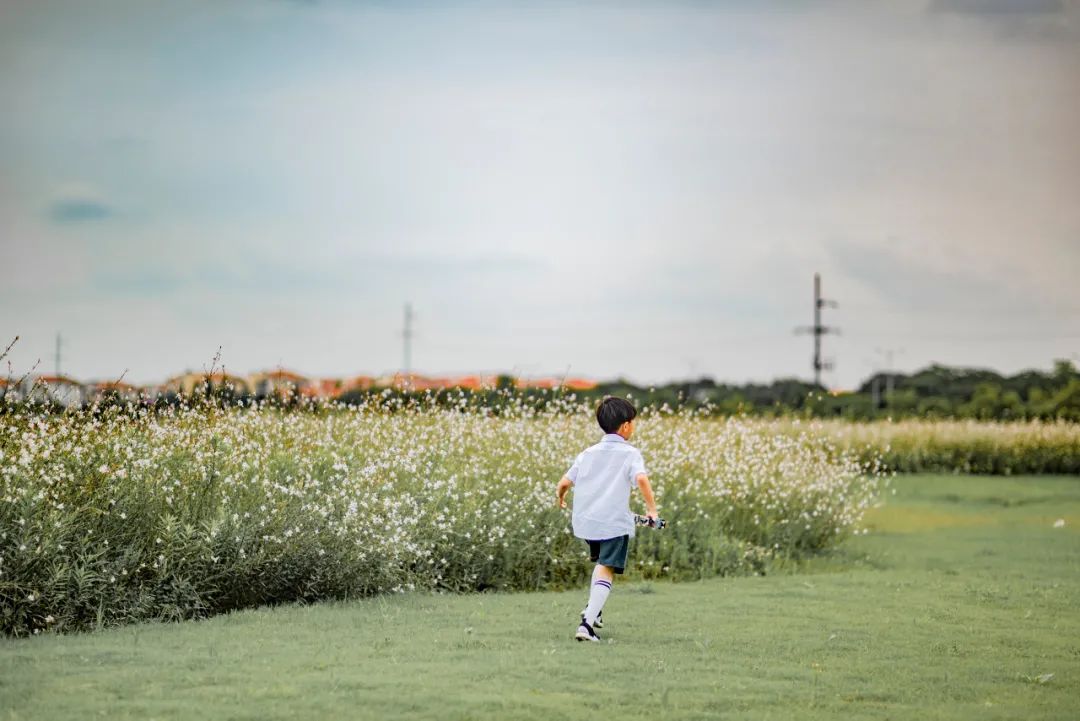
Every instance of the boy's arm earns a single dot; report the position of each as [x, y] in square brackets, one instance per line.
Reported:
[560, 491]
[646, 492]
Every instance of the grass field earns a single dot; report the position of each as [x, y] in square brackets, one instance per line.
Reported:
[962, 603]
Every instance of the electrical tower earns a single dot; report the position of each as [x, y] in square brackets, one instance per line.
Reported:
[407, 335]
[57, 357]
[818, 330]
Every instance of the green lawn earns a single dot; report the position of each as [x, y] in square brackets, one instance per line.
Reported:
[960, 604]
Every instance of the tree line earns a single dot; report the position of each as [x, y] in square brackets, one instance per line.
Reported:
[934, 392]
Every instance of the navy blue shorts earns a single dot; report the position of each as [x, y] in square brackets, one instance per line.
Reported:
[610, 552]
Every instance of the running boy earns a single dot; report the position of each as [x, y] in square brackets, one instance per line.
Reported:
[603, 476]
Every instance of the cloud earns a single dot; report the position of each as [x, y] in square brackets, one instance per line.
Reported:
[268, 276]
[79, 210]
[909, 280]
[77, 202]
[1038, 21]
[148, 281]
[997, 7]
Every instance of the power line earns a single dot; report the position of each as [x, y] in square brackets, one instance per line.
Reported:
[935, 307]
[818, 330]
[976, 337]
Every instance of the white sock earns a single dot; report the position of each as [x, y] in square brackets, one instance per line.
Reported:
[598, 594]
[595, 578]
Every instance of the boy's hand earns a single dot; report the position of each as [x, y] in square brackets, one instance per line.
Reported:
[560, 492]
[647, 493]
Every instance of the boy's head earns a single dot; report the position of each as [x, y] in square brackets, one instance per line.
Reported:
[616, 415]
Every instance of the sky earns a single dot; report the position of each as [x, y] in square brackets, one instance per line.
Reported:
[601, 189]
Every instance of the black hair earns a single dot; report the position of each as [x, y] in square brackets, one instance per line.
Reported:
[613, 412]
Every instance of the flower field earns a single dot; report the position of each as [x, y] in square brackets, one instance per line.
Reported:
[119, 515]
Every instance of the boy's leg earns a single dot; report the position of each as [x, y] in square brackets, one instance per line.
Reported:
[595, 577]
[598, 592]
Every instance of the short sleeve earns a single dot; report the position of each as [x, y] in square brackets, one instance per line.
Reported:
[573, 472]
[637, 466]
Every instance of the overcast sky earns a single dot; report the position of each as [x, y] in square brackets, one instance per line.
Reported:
[619, 189]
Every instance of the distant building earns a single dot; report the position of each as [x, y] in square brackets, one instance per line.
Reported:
[68, 392]
[326, 388]
[412, 382]
[280, 383]
[357, 383]
[61, 390]
[188, 383]
[573, 384]
[475, 382]
[102, 390]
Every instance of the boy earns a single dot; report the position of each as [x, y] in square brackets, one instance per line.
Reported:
[603, 476]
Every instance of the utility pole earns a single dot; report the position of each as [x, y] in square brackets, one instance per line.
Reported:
[818, 330]
[57, 357]
[407, 335]
[890, 377]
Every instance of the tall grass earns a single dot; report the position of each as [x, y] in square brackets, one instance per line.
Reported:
[953, 446]
[117, 515]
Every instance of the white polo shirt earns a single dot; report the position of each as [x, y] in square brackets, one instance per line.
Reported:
[603, 476]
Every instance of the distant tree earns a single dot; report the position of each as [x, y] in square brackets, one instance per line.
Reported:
[989, 403]
[1065, 404]
[1064, 371]
[934, 407]
[902, 402]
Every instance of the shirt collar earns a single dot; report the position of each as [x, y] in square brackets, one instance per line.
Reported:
[612, 438]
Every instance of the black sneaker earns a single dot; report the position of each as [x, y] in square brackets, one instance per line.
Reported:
[585, 632]
[599, 619]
